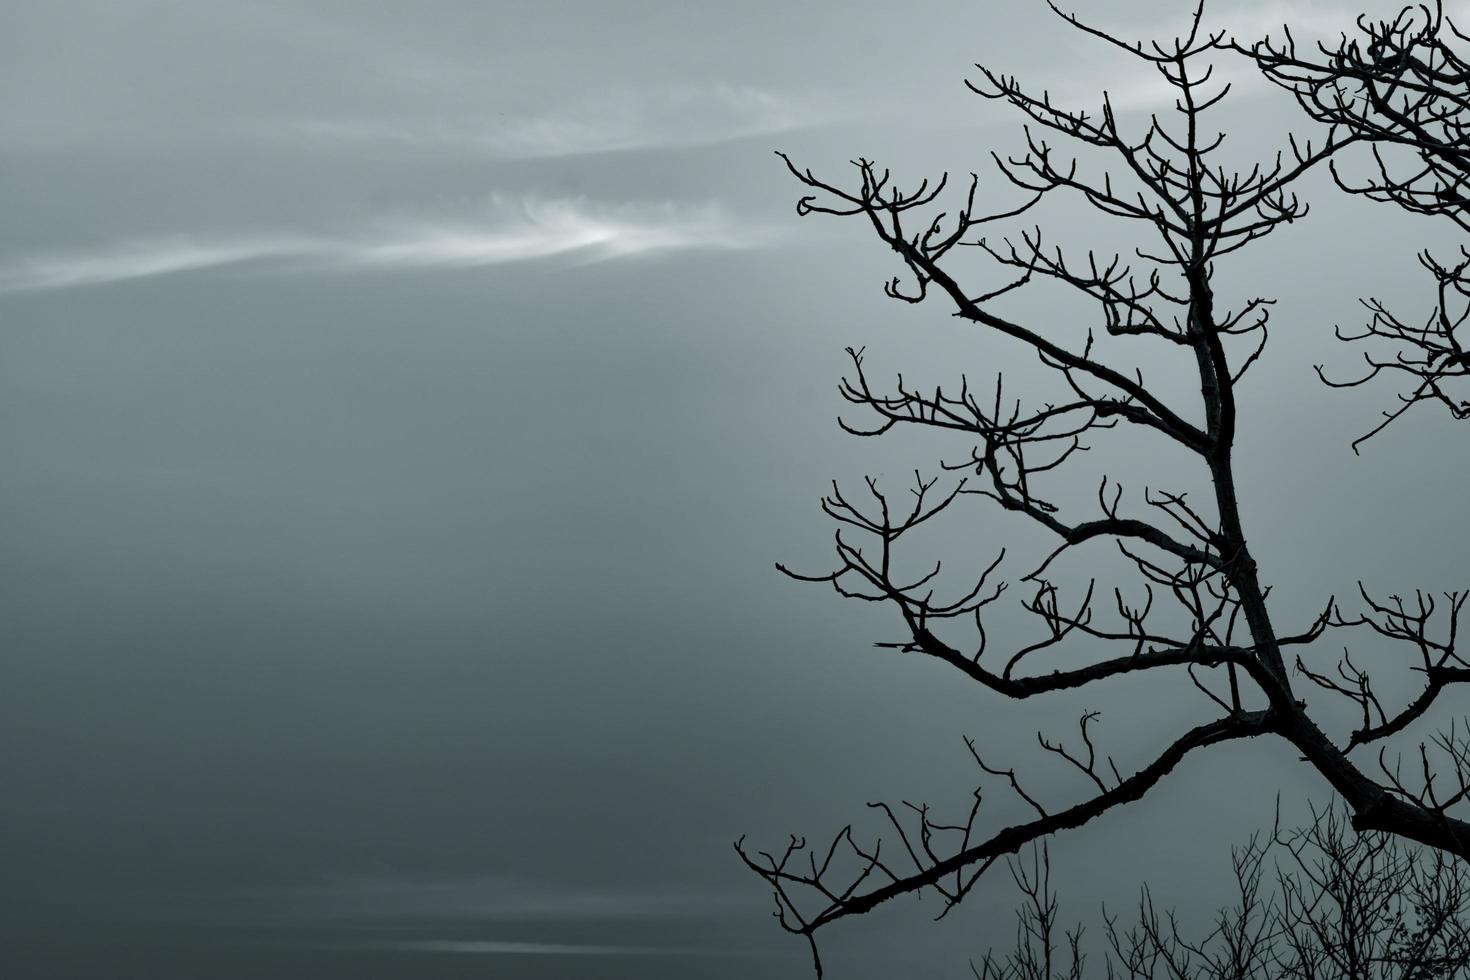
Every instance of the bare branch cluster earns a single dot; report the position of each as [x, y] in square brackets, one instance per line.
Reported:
[1403, 86]
[1400, 82]
[1412, 625]
[813, 887]
[1196, 602]
[1431, 353]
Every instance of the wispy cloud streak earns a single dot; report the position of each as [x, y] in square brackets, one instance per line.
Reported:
[676, 117]
[135, 260]
[494, 896]
[501, 947]
[512, 231]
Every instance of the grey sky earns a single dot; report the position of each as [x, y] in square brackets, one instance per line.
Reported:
[402, 407]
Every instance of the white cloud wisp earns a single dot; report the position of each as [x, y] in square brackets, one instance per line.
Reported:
[512, 231]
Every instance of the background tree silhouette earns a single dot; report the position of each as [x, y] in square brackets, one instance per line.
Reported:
[1321, 901]
[1193, 598]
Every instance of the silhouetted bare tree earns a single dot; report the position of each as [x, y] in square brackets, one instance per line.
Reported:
[1192, 556]
[1320, 902]
[1404, 85]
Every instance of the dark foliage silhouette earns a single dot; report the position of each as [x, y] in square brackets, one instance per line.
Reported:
[1193, 598]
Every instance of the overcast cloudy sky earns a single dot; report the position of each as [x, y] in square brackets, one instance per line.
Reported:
[402, 406]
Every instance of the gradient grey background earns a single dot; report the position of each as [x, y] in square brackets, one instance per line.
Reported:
[402, 406]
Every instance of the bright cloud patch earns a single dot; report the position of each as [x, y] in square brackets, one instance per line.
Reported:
[509, 231]
[540, 229]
